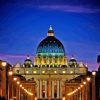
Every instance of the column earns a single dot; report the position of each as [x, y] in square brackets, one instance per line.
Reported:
[83, 93]
[93, 88]
[40, 88]
[60, 89]
[45, 88]
[49, 88]
[37, 88]
[52, 88]
[74, 96]
[80, 91]
[88, 91]
[19, 93]
[12, 90]
[57, 88]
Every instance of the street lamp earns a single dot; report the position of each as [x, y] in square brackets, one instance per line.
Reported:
[15, 79]
[84, 89]
[35, 98]
[81, 85]
[88, 79]
[4, 64]
[63, 98]
[93, 86]
[88, 88]
[10, 73]
[93, 73]
[20, 85]
[18, 82]
[84, 82]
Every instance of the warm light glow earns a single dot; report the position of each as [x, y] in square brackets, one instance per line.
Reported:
[63, 72]
[63, 98]
[29, 93]
[94, 73]
[20, 85]
[10, 73]
[76, 90]
[55, 72]
[71, 93]
[81, 85]
[88, 79]
[18, 82]
[27, 72]
[79, 88]
[71, 72]
[4, 63]
[34, 72]
[14, 78]
[25, 90]
[35, 98]
[43, 72]
[84, 82]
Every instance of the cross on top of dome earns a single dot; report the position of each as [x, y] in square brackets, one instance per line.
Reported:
[50, 28]
[50, 31]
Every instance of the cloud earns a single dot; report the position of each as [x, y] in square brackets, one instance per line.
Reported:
[70, 8]
[14, 56]
[76, 6]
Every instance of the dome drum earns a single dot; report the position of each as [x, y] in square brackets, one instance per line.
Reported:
[50, 60]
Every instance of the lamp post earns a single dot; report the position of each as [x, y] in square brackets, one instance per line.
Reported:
[93, 86]
[81, 86]
[10, 73]
[84, 90]
[4, 64]
[88, 88]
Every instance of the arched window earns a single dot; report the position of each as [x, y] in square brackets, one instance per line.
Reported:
[17, 71]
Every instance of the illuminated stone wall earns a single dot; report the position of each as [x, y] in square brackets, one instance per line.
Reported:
[50, 60]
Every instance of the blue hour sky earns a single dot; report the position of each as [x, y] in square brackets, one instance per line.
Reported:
[24, 23]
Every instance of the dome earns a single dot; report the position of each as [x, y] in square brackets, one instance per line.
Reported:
[50, 46]
[73, 62]
[28, 62]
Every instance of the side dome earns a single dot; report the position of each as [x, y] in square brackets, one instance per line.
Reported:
[50, 46]
[73, 62]
[28, 62]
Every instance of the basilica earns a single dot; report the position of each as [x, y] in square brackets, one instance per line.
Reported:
[50, 68]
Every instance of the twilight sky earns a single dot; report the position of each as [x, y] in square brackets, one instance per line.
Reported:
[24, 23]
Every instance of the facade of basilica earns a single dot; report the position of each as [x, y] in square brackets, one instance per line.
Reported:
[50, 69]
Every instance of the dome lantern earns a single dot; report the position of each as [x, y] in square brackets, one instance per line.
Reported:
[50, 31]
